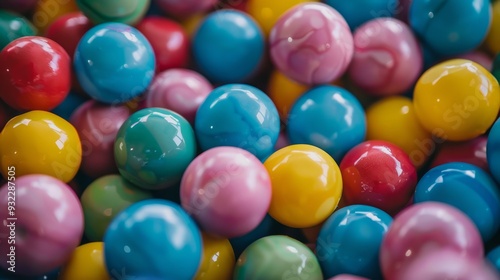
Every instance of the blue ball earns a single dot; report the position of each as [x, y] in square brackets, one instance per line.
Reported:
[114, 63]
[362, 11]
[228, 46]
[153, 239]
[349, 241]
[240, 116]
[328, 117]
[493, 150]
[466, 187]
[494, 258]
[451, 27]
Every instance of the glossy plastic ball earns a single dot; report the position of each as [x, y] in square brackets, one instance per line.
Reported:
[86, 262]
[48, 11]
[306, 184]
[473, 151]
[97, 125]
[328, 117]
[69, 105]
[114, 63]
[123, 11]
[267, 227]
[68, 29]
[227, 190]
[430, 20]
[40, 142]
[493, 257]
[226, 52]
[14, 26]
[347, 277]
[466, 187]
[384, 49]
[480, 57]
[27, 85]
[349, 241]
[218, 259]
[493, 37]
[169, 40]
[284, 92]
[154, 147]
[46, 223]
[364, 10]
[179, 90]
[147, 235]
[311, 43]
[277, 257]
[185, 8]
[427, 227]
[493, 151]
[457, 100]
[103, 199]
[389, 116]
[240, 116]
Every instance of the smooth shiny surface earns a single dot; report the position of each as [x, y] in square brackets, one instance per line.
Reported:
[430, 20]
[40, 142]
[493, 37]
[364, 10]
[388, 117]
[86, 262]
[493, 257]
[227, 191]
[379, 174]
[179, 90]
[186, 8]
[69, 105]
[284, 92]
[307, 185]
[466, 187]
[240, 116]
[34, 86]
[226, 52]
[47, 11]
[48, 227]
[472, 151]
[218, 259]
[14, 26]
[457, 100]
[383, 50]
[68, 29]
[311, 43]
[427, 227]
[97, 125]
[146, 236]
[103, 199]
[114, 63]
[153, 148]
[328, 117]
[349, 241]
[266, 227]
[169, 41]
[123, 11]
[493, 151]
[277, 257]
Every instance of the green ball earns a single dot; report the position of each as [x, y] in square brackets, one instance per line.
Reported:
[103, 199]
[123, 11]
[277, 257]
[14, 26]
[154, 147]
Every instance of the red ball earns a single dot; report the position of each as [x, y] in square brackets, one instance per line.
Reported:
[35, 74]
[472, 151]
[169, 40]
[379, 174]
[68, 29]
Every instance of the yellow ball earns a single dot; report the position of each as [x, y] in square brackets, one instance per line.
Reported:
[284, 92]
[306, 185]
[218, 259]
[393, 119]
[267, 12]
[40, 142]
[493, 38]
[47, 11]
[86, 262]
[457, 100]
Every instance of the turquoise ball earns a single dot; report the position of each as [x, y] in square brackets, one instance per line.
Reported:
[122, 11]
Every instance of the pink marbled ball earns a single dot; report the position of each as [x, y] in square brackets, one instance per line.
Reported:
[49, 224]
[427, 227]
[227, 190]
[311, 43]
[179, 90]
[387, 57]
[97, 125]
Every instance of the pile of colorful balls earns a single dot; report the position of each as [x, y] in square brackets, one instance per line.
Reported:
[249, 139]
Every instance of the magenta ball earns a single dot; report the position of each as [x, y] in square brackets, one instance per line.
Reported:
[179, 90]
[311, 43]
[425, 227]
[387, 57]
[20, 6]
[185, 8]
[347, 277]
[48, 225]
[227, 190]
[479, 57]
[97, 125]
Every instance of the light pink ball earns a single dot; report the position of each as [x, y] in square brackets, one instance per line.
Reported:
[387, 57]
[427, 227]
[479, 57]
[49, 224]
[179, 90]
[227, 190]
[347, 277]
[312, 44]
